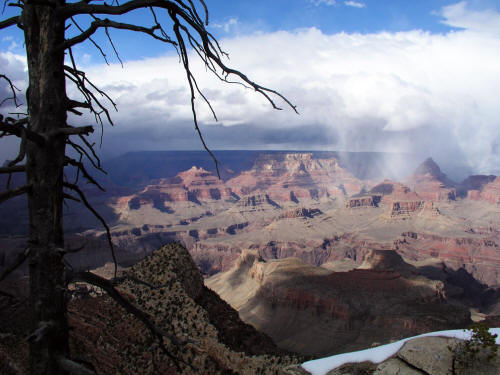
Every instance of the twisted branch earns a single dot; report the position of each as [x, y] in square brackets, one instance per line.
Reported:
[109, 288]
[12, 193]
[86, 203]
[21, 257]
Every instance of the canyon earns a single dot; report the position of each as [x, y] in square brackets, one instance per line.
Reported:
[289, 225]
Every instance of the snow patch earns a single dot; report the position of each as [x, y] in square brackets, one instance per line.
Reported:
[380, 353]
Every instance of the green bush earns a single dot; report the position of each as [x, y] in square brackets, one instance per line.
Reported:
[475, 350]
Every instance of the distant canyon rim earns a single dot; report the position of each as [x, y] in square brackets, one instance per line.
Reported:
[317, 206]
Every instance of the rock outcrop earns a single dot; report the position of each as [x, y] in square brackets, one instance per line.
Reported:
[194, 185]
[421, 355]
[203, 333]
[479, 257]
[295, 176]
[315, 311]
[407, 208]
[430, 183]
[301, 212]
[488, 192]
[363, 201]
[393, 191]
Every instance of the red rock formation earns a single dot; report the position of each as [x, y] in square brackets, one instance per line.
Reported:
[478, 256]
[394, 191]
[300, 212]
[317, 312]
[430, 183]
[256, 202]
[475, 182]
[363, 201]
[195, 184]
[406, 208]
[292, 177]
[489, 191]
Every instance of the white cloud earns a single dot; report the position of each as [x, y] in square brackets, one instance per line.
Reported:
[228, 26]
[484, 21]
[434, 94]
[326, 2]
[354, 4]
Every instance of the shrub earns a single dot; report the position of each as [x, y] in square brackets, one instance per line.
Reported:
[480, 346]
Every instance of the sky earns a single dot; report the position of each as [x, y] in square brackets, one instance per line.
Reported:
[420, 77]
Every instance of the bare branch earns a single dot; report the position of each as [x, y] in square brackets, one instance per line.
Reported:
[16, 168]
[113, 46]
[15, 128]
[94, 159]
[81, 168]
[75, 249]
[22, 148]
[9, 22]
[190, 79]
[106, 23]
[76, 189]
[9, 194]
[12, 88]
[76, 104]
[80, 80]
[44, 328]
[21, 257]
[84, 8]
[70, 197]
[109, 288]
[73, 367]
[89, 38]
[70, 130]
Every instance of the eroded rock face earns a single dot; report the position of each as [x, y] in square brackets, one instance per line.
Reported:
[430, 183]
[255, 202]
[195, 184]
[363, 201]
[408, 208]
[300, 212]
[315, 311]
[174, 297]
[489, 192]
[475, 182]
[479, 257]
[294, 176]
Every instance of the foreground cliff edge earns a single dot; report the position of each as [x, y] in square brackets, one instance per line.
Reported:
[423, 354]
[168, 286]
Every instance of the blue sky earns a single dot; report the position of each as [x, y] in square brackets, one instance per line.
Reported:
[417, 76]
[230, 18]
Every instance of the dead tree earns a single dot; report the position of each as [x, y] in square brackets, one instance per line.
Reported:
[50, 31]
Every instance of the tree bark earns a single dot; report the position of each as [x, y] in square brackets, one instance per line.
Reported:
[44, 31]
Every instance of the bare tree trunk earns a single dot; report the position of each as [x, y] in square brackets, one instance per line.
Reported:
[46, 96]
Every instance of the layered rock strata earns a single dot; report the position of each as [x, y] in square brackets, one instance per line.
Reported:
[315, 311]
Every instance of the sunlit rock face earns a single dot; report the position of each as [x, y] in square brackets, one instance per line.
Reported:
[295, 176]
[315, 311]
[195, 184]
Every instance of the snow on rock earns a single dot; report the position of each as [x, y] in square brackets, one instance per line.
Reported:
[380, 353]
